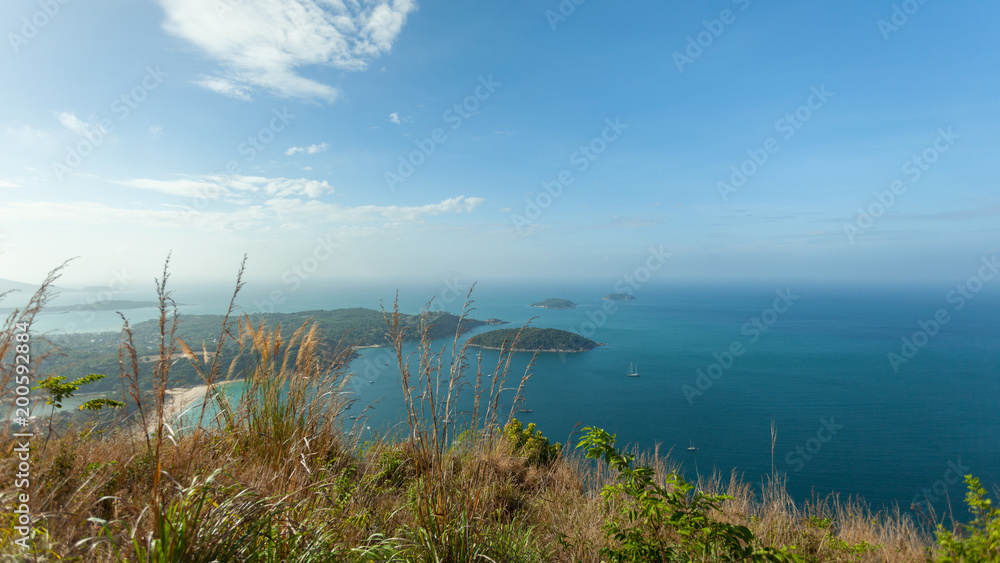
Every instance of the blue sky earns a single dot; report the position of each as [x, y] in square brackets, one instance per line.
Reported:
[214, 128]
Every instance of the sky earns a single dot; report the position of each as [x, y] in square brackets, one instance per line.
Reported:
[401, 140]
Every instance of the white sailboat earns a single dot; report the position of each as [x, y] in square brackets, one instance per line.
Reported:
[632, 370]
[691, 448]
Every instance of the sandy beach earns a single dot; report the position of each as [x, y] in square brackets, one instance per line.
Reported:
[182, 399]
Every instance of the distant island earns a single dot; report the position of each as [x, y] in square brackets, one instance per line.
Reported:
[553, 303]
[619, 297]
[533, 339]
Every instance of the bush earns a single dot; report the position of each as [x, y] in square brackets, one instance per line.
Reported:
[980, 539]
[531, 443]
[667, 522]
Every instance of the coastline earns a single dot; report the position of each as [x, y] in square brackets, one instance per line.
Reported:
[182, 399]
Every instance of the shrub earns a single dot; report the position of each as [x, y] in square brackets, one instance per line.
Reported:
[978, 540]
[667, 522]
[531, 443]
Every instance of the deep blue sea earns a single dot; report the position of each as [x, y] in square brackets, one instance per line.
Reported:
[815, 362]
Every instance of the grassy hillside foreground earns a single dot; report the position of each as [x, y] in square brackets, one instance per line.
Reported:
[281, 477]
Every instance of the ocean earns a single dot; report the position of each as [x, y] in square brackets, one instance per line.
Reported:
[887, 393]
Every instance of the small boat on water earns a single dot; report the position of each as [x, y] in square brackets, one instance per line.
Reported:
[632, 370]
[691, 447]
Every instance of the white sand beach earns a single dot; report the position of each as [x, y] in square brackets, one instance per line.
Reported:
[181, 399]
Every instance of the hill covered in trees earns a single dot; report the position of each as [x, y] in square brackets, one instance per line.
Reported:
[533, 339]
[84, 353]
[553, 303]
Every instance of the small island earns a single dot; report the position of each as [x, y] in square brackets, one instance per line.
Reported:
[553, 303]
[533, 340]
[619, 297]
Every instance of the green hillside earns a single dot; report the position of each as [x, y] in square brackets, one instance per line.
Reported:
[532, 339]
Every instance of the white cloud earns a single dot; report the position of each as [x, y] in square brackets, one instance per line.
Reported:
[218, 186]
[87, 213]
[5, 184]
[70, 121]
[224, 87]
[277, 213]
[264, 43]
[311, 149]
[298, 212]
[155, 131]
[394, 118]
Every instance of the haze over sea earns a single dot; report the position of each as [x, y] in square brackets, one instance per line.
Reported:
[816, 362]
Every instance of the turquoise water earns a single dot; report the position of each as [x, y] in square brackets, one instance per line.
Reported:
[846, 420]
[820, 371]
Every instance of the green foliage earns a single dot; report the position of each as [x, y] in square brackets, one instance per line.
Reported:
[460, 540]
[531, 443]
[205, 525]
[669, 522]
[62, 465]
[394, 470]
[978, 540]
[531, 339]
[58, 391]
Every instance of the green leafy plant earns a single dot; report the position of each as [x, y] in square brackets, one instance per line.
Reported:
[978, 540]
[669, 522]
[58, 390]
[531, 443]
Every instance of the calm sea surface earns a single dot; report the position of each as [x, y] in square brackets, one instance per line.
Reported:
[815, 362]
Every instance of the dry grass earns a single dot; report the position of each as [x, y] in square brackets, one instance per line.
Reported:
[284, 478]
